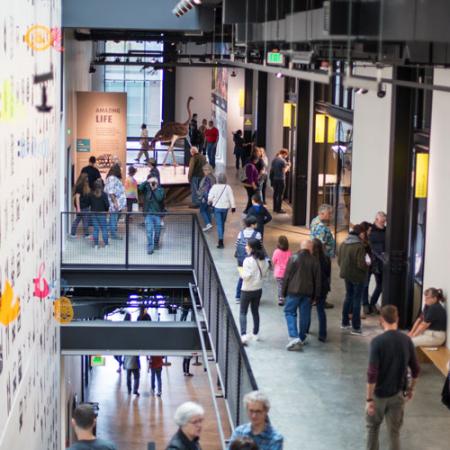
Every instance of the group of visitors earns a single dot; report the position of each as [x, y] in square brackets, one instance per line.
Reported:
[99, 204]
[189, 417]
[204, 137]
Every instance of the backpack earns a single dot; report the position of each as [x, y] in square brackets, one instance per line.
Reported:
[240, 253]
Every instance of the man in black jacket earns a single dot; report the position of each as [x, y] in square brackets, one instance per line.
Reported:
[377, 240]
[300, 285]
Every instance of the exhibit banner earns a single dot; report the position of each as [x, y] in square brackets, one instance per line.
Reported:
[219, 99]
[101, 129]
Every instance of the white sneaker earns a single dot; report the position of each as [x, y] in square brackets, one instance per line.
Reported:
[96, 247]
[245, 338]
[255, 337]
[208, 227]
[294, 344]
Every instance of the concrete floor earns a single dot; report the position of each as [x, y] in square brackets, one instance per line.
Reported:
[318, 395]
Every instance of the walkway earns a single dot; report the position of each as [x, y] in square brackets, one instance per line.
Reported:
[318, 395]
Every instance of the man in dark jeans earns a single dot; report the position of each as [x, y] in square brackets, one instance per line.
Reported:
[391, 353]
[280, 166]
[133, 367]
[377, 239]
[354, 267]
[301, 284]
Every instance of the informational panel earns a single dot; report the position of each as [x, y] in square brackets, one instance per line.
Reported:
[101, 129]
[219, 98]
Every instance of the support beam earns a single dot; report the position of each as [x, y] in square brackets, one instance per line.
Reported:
[396, 289]
[261, 119]
[168, 87]
[248, 104]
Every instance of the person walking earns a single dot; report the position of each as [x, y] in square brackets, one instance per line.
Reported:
[249, 231]
[144, 316]
[259, 429]
[195, 174]
[117, 198]
[280, 259]
[205, 186]
[325, 287]
[99, 203]
[153, 207]
[251, 180]
[144, 144]
[260, 213]
[211, 137]
[301, 284]
[186, 366]
[84, 420]
[353, 269]
[377, 241]
[202, 143]
[221, 198]
[279, 167]
[82, 205]
[189, 417]
[92, 172]
[430, 328]
[239, 150]
[156, 364]
[132, 365]
[254, 269]
[366, 229]
[263, 168]
[131, 191]
[390, 355]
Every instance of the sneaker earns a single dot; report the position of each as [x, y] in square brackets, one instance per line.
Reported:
[293, 343]
[208, 227]
[328, 305]
[245, 338]
[87, 236]
[149, 252]
[346, 327]
[159, 394]
[136, 393]
[95, 247]
[356, 332]
[162, 223]
[281, 211]
[255, 337]
[322, 339]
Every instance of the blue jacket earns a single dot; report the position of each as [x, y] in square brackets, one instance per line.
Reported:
[269, 439]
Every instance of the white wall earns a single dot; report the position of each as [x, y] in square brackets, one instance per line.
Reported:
[195, 82]
[235, 113]
[437, 246]
[370, 160]
[275, 101]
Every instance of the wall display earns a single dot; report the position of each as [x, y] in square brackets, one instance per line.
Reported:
[29, 163]
[101, 129]
[219, 98]
[41, 287]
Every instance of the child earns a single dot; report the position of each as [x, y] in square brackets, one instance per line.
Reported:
[131, 188]
[280, 259]
[240, 254]
[259, 211]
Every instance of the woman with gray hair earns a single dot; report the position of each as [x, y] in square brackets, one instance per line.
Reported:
[189, 417]
[221, 198]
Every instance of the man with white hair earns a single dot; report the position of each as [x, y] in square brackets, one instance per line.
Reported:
[301, 284]
[153, 203]
[259, 428]
[377, 240]
[189, 417]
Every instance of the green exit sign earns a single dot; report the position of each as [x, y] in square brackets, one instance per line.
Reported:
[275, 58]
[97, 361]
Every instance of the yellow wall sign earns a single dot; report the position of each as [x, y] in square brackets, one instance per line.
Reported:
[288, 111]
[9, 305]
[63, 310]
[422, 175]
[320, 129]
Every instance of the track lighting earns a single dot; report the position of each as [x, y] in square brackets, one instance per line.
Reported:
[361, 91]
[280, 75]
[233, 74]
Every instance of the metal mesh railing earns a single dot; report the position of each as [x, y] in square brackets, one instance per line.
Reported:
[234, 367]
[128, 239]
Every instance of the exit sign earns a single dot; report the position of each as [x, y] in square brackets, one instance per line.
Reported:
[97, 361]
[275, 58]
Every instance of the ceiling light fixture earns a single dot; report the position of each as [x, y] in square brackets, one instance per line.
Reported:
[184, 6]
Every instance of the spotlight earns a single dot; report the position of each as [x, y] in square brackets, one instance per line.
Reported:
[233, 74]
[361, 91]
[92, 69]
[280, 75]
[380, 91]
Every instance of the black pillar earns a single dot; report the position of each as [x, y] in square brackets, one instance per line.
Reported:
[261, 120]
[168, 87]
[248, 105]
[300, 179]
[396, 289]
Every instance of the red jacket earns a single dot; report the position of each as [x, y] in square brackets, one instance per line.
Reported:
[212, 134]
[156, 362]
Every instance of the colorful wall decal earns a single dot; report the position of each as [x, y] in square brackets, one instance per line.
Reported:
[41, 37]
[41, 287]
[63, 310]
[9, 305]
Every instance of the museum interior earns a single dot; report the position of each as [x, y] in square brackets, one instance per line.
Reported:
[190, 169]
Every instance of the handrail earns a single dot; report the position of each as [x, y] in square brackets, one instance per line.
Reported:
[208, 370]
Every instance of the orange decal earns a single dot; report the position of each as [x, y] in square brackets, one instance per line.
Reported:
[38, 37]
[9, 305]
[63, 310]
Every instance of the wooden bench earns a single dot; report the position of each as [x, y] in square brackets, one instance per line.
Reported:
[440, 357]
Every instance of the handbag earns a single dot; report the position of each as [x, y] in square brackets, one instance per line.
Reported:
[446, 391]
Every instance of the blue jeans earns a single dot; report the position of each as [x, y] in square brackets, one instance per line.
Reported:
[221, 216]
[205, 212]
[322, 316]
[99, 222]
[211, 148]
[302, 303]
[153, 229]
[365, 293]
[156, 373]
[239, 287]
[113, 220]
[353, 296]
[195, 183]
[81, 216]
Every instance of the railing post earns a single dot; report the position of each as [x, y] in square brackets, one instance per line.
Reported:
[127, 240]
[238, 391]
[193, 241]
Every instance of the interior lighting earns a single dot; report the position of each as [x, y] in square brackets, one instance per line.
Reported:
[361, 91]
[421, 188]
[280, 75]
[184, 6]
